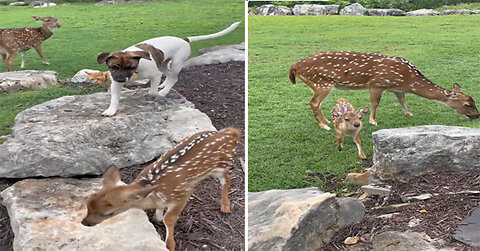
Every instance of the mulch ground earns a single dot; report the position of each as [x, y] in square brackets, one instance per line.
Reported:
[218, 91]
[444, 210]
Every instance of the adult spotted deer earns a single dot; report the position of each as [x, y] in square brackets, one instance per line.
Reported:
[168, 182]
[20, 40]
[326, 71]
[348, 121]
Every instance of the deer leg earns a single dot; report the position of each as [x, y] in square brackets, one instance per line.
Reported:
[170, 219]
[226, 182]
[401, 99]
[4, 57]
[22, 66]
[316, 104]
[38, 49]
[339, 140]
[375, 96]
[158, 215]
[9, 60]
[356, 139]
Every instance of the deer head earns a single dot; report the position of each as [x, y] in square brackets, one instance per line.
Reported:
[48, 22]
[461, 102]
[113, 198]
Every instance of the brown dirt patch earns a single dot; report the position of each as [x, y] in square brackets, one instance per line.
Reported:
[219, 91]
[445, 210]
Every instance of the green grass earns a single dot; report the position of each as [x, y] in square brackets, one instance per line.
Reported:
[88, 30]
[284, 139]
[467, 6]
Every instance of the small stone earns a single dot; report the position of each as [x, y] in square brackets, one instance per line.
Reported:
[351, 240]
[425, 196]
[414, 222]
[387, 216]
[391, 208]
[375, 190]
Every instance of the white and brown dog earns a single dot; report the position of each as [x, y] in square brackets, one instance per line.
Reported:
[148, 60]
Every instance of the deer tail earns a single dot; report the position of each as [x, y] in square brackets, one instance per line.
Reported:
[232, 131]
[291, 75]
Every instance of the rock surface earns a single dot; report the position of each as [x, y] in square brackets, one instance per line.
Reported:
[457, 12]
[298, 219]
[414, 151]
[355, 9]
[68, 136]
[218, 55]
[403, 241]
[423, 12]
[18, 4]
[315, 9]
[468, 231]
[45, 214]
[385, 12]
[272, 10]
[11, 82]
[82, 77]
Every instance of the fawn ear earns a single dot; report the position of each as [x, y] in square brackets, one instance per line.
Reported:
[457, 88]
[139, 194]
[111, 177]
[103, 57]
[364, 110]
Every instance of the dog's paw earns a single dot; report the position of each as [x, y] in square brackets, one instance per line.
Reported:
[163, 93]
[151, 96]
[109, 112]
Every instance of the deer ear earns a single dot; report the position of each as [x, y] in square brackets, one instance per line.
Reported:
[111, 177]
[457, 88]
[139, 194]
[364, 110]
[103, 57]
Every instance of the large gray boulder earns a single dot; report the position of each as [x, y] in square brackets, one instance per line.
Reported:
[45, 214]
[468, 230]
[272, 10]
[315, 9]
[405, 241]
[68, 136]
[423, 12]
[457, 12]
[385, 12]
[405, 152]
[218, 55]
[15, 81]
[354, 9]
[297, 219]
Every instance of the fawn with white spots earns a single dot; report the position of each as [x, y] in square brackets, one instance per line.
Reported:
[168, 182]
[20, 40]
[326, 71]
[348, 121]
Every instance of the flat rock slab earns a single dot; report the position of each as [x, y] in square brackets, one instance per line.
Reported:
[218, 55]
[315, 9]
[68, 136]
[45, 214]
[297, 219]
[414, 151]
[404, 241]
[15, 81]
[468, 231]
[273, 10]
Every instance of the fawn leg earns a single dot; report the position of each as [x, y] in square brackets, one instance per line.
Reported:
[339, 140]
[226, 182]
[170, 219]
[356, 139]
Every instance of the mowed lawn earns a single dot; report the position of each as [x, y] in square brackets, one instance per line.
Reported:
[88, 29]
[284, 138]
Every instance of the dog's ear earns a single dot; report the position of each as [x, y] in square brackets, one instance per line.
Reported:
[103, 57]
[141, 54]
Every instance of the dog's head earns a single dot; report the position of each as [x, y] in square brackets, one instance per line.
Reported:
[122, 65]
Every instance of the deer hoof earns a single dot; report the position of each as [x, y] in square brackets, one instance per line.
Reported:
[325, 126]
[225, 208]
[409, 114]
[373, 122]
[46, 63]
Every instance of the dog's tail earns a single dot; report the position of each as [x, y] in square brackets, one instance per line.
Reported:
[214, 35]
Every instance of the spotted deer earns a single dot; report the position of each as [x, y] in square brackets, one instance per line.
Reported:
[20, 40]
[326, 71]
[168, 182]
[348, 121]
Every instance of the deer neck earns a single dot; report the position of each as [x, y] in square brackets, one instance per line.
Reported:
[46, 31]
[423, 87]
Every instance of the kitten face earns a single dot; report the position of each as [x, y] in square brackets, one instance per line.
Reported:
[100, 78]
